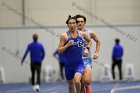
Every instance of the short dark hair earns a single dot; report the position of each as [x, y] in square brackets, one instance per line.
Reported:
[35, 37]
[81, 16]
[117, 40]
[69, 17]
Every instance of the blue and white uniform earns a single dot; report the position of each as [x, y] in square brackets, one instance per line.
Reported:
[87, 59]
[73, 57]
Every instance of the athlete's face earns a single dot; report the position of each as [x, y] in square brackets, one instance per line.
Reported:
[80, 23]
[72, 25]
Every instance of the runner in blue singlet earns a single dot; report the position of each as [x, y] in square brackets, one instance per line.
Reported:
[71, 44]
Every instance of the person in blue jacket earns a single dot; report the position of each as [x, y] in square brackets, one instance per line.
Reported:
[37, 54]
[117, 55]
[61, 59]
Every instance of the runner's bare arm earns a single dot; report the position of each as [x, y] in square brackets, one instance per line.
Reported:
[62, 47]
[96, 39]
[87, 38]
